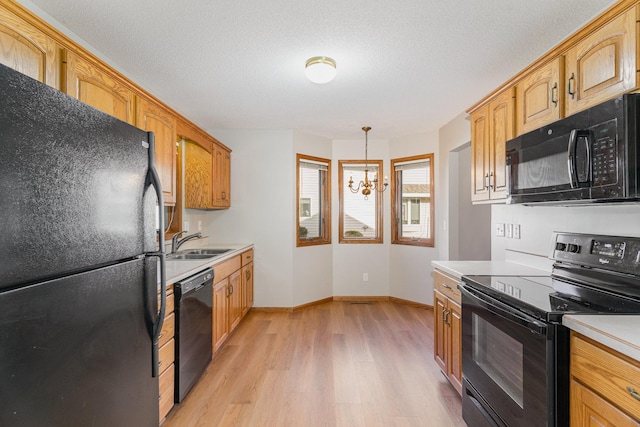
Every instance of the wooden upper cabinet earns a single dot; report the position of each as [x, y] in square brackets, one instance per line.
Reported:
[480, 154]
[492, 126]
[95, 86]
[602, 65]
[207, 169]
[501, 129]
[198, 168]
[222, 177]
[28, 50]
[540, 96]
[153, 117]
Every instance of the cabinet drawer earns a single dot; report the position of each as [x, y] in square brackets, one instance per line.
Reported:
[606, 372]
[168, 328]
[247, 257]
[446, 285]
[166, 355]
[224, 269]
[170, 305]
[166, 391]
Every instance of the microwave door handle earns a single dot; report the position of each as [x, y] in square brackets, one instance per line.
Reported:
[571, 158]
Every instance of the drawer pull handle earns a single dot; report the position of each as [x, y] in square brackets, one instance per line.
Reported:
[633, 392]
[446, 286]
[160, 363]
[160, 336]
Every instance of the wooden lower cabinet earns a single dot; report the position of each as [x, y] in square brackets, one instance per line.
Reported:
[604, 385]
[232, 295]
[247, 287]
[447, 320]
[166, 356]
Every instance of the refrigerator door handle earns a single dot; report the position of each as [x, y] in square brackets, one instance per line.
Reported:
[154, 180]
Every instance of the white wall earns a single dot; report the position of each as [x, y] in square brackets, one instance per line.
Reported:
[473, 240]
[452, 137]
[312, 265]
[538, 223]
[350, 261]
[410, 266]
[262, 209]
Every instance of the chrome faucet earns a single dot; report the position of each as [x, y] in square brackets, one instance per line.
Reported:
[176, 242]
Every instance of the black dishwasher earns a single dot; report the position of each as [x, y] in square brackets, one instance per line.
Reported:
[194, 300]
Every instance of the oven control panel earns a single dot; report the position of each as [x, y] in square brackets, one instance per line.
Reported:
[621, 254]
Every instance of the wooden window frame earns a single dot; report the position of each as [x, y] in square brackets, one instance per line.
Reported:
[342, 184]
[325, 194]
[396, 205]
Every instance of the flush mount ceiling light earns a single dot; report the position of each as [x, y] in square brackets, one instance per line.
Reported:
[320, 69]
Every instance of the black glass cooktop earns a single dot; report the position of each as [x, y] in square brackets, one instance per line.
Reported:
[548, 298]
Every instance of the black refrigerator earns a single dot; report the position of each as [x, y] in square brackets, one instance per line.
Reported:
[81, 263]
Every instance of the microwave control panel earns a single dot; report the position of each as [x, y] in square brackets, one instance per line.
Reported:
[604, 153]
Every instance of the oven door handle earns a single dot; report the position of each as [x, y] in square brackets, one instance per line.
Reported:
[503, 310]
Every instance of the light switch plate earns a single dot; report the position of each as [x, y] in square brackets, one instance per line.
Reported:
[509, 231]
[516, 231]
[500, 230]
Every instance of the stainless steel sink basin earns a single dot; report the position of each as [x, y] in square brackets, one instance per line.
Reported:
[205, 251]
[196, 254]
[187, 257]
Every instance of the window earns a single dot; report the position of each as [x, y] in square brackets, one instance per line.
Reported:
[313, 201]
[412, 204]
[360, 217]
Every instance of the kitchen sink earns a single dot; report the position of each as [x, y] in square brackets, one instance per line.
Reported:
[204, 251]
[187, 257]
[196, 254]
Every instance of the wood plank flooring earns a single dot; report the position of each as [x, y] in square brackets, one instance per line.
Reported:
[333, 364]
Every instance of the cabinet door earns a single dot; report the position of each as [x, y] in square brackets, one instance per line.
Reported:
[501, 129]
[222, 177]
[480, 154]
[439, 331]
[589, 409]
[152, 117]
[198, 180]
[539, 96]
[26, 49]
[454, 371]
[247, 288]
[235, 299]
[220, 313]
[95, 86]
[603, 64]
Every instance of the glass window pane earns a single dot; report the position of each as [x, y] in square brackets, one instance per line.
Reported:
[360, 214]
[313, 201]
[412, 201]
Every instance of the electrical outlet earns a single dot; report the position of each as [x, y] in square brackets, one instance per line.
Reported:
[516, 231]
[186, 226]
[500, 230]
[365, 277]
[509, 231]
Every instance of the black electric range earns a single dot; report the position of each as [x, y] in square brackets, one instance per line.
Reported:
[515, 350]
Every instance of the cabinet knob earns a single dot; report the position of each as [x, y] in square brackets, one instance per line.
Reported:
[633, 392]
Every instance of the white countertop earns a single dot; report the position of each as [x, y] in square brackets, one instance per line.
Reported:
[616, 331]
[178, 270]
[458, 269]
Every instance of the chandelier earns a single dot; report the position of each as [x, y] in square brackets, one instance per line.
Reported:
[367, 185]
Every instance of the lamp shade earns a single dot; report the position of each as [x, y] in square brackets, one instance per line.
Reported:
[320, 69]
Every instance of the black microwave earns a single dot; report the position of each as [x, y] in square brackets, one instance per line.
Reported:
[589, 157]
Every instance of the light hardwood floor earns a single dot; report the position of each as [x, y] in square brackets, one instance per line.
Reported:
[333, 364]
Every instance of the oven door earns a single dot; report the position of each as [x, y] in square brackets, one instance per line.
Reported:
[505, 363]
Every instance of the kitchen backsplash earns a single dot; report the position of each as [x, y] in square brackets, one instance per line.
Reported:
[537, 223]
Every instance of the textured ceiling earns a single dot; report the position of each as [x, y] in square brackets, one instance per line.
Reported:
[403, 66]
